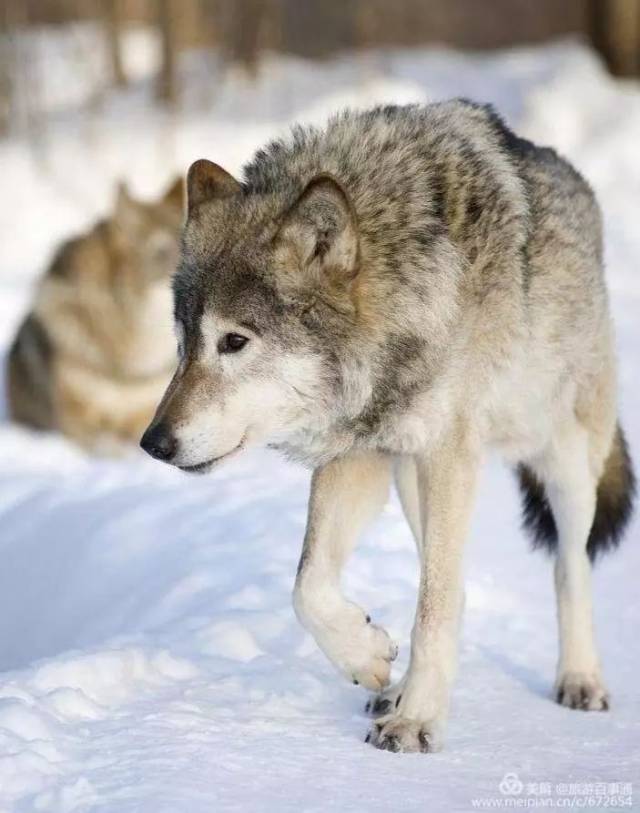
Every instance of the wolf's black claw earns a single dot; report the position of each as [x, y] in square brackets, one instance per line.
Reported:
[425, 745]
[380, 705]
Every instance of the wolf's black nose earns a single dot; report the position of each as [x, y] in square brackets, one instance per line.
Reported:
[159, 442]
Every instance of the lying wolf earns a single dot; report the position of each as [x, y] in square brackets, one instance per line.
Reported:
[96, 351]
[392, 296]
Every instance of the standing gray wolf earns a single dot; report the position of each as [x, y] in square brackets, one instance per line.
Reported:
[96, 350]
[391, 296]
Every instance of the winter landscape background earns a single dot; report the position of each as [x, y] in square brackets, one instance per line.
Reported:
[149, 656]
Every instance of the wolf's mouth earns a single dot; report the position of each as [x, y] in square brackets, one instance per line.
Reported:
[207, 465]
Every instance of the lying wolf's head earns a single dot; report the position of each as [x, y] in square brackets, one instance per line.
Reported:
[98, 324]
[104, 299]
[264, 301]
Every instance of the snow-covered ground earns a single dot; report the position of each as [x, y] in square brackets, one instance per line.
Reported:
[149, 657]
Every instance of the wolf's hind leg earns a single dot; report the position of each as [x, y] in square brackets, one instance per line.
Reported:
[570, 484]
[406, 480]
[345, 495]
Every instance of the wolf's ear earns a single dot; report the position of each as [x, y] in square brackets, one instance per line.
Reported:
[127, 212]
[207, 181]
[321, 228]
[174, 197]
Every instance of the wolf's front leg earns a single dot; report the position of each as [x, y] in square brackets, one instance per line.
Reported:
[446, 482]
[345, 495]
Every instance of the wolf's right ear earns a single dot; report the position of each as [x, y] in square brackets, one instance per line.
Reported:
[321, 230]
[207, 181]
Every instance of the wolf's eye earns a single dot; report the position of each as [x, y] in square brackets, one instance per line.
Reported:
[231, 343]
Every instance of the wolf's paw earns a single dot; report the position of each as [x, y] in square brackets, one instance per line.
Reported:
[369, 657]
[403, 735]
[362, 651]
[386, 701]
[580, 690]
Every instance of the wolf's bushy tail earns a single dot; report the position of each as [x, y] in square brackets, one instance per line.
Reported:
[614, 503]
[28, 376]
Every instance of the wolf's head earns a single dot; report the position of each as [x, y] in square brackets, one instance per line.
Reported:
[128, 251]
[264, 307]
[105, 298]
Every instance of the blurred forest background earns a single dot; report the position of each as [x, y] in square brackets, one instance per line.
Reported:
[234, 34]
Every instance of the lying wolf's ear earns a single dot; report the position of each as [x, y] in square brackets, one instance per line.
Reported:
[321, 228]
[174, 196]
[127, 212]
[207, 181]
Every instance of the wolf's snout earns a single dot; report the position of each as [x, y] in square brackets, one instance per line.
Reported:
[159, 442]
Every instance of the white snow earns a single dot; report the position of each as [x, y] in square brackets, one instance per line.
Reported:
[149, 656]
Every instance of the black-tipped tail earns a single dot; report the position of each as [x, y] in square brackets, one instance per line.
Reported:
[614, 503]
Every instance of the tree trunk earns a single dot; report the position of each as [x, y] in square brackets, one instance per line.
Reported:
[167, 87]
[112, 15]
